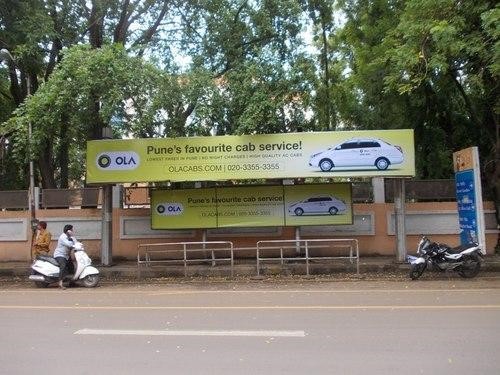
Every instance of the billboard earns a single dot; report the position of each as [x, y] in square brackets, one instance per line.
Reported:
[252, 206]
[291, 155]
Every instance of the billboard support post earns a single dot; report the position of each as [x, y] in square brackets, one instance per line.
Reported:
[106, 225]
[378, 190]
[297, 238]
[107, 215]
[399, 213]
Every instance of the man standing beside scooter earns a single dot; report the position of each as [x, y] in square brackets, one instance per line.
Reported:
[62, 252]
[42, 241]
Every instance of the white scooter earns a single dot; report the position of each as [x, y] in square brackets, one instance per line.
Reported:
[45, 270]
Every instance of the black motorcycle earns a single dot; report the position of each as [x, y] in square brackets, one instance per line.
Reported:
[465, 259]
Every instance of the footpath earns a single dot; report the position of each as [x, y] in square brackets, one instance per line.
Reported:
[246, 268]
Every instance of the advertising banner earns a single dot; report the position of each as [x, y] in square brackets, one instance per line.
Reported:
[192, 208]
[291, 155]
[469, 196]
[252, 206]
[318, 204]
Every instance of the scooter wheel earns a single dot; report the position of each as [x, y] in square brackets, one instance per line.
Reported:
[90, 281]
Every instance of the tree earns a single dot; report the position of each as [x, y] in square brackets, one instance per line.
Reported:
[229, 42]
[448, 51]
[62, 108]
[37, 31]
[322, 13]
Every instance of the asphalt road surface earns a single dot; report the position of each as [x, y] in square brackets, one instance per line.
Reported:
[282, 327]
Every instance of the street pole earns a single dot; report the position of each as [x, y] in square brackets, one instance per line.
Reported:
[31, 194]
[106, 225]
[32, 167]
[107, 215]
[400, 213]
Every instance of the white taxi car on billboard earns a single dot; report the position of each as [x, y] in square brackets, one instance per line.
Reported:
[355, 153]
[322, 205]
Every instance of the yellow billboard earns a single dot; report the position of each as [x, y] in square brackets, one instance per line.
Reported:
[318, 154]
[252, 206]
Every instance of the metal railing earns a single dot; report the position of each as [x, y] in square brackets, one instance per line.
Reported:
[65, 198]
[362, 192]
[135, 197]
[307, 250]
[17, 199]
[184, 253]
[423, 190]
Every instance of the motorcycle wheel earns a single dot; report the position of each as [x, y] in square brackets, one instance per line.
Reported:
[90, 281]
[469, 269]
[416, 270]
[41, 284]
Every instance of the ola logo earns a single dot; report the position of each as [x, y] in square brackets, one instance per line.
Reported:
[117, 160]
[104, 161]
[170, 209]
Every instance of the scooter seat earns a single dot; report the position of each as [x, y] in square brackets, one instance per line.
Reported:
[47, 259]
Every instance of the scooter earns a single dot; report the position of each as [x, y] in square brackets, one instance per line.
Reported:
[45, 270]
[465, 259]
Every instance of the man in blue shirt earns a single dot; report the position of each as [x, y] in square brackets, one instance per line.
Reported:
[62, 252]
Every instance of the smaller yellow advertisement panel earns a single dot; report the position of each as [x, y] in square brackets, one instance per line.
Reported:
[181, 209]
[318, 204]
[252, 206]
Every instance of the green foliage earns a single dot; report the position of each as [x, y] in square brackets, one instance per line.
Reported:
[429, 65]
[61, 111]
[422, 64]
[6, 101]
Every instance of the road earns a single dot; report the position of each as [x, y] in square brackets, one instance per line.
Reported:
[284, 327]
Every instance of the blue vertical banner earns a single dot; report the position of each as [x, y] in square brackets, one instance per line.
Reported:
[466, 201]
[469, 197]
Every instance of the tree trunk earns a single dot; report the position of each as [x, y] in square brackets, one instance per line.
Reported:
[326, 77]
[120, 34]
[96, 24]
[63, 154]
[15, 87]
[46, 168]
[97, 123]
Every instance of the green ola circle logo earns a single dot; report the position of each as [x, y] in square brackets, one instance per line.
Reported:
[104, 161]
[117, 160]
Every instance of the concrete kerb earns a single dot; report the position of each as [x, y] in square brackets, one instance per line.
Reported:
[128, 269]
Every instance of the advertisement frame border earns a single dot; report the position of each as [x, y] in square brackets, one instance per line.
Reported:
[350, 204]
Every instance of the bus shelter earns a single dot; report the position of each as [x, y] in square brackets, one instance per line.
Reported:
[339, 155]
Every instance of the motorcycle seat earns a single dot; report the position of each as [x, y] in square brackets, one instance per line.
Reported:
[459, 249]
[47, 259]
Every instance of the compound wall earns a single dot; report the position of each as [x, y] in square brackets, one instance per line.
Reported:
[373, 227]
